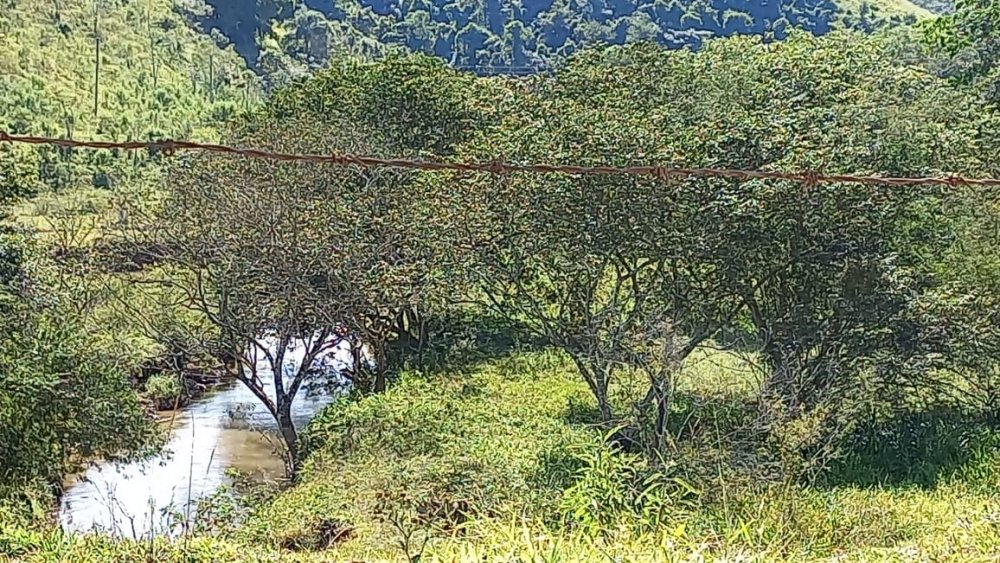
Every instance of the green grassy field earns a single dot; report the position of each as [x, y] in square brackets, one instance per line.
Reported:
[157, 76]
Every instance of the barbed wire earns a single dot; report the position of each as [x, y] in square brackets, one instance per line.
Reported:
[170, 147]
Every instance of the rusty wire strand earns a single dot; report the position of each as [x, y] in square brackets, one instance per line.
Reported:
[809, 178]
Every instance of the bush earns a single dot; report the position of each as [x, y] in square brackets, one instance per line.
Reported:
[430, 454]
[60, 400]
[165, 391]
[616, 491]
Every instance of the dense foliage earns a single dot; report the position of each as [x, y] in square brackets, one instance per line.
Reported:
[62, 400]
[817, 281]
[644, 368]
[298, 249]
[969, 37]
[832, 288]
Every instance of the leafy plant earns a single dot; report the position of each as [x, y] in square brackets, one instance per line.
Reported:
[165, 390]
[616, 491]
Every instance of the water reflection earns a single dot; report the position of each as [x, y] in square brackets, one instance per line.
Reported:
[225, 429]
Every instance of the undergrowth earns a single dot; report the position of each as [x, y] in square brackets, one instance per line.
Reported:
[503, 464]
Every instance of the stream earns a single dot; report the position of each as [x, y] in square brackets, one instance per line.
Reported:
[225, 429]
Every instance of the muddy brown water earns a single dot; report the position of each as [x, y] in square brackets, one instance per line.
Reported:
[225, 429]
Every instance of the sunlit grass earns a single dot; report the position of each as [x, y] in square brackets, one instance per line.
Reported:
[72, 219]
[506, 438]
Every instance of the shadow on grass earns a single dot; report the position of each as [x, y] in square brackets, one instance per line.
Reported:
[912, 449]
[920, 449]
[456, 343]
[582, 413]
[557, 470]
[693, 415]
[697, 421]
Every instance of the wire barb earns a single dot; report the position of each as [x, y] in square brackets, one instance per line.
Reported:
[496, 168]
[661, 173]
[168, 147]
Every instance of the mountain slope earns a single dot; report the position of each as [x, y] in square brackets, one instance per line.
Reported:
[887, 8]
[516, 35]
[936, 6]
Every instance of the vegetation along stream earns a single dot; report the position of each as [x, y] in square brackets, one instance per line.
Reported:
[225, 429]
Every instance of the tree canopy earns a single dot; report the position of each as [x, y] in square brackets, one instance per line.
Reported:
[625, 275]
[970, 37]
[587, 261]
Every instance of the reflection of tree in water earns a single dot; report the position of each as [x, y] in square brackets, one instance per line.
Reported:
[225, 429]
[239, 413]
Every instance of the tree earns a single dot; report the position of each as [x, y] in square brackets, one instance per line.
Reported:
[818, 277]
[962, 313]
[618, 273]
[254, 247]
[491, 36]
[613, 272]
[63, 397]
[274, 254]
[16, 182]
[970, 35]
[407, 106]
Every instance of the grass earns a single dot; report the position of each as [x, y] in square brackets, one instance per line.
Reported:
[493, 465]
[154, 76]
[502, 442]
[71, 219]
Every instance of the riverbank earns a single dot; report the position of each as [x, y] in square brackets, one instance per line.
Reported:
[221, 432]
[500, 462]
[167, 388]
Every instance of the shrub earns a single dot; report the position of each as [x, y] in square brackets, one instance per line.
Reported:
[615, 490]
[166, 391]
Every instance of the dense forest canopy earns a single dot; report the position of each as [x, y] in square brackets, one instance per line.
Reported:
[514, 37]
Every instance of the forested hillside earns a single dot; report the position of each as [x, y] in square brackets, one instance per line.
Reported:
[936, 6]
[286, 36]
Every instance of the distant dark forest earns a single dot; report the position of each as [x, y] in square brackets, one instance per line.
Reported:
[511, 36]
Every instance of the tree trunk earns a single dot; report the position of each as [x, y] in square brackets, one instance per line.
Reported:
[597, 378]
[411, 330]
[380, 369]
[656, 405]
[663, 396]
[290, 437]
[97, 74]
[602, 400]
